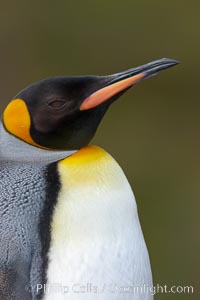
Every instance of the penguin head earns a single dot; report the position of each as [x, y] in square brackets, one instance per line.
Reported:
[64, 112]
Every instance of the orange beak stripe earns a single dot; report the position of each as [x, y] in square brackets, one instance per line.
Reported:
[109, 91]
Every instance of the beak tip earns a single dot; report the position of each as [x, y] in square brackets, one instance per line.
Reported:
[170, 61]
[159, 65]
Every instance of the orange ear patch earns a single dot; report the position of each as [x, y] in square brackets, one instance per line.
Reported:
[17, 121]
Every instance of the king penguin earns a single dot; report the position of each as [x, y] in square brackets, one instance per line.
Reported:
[69, 226]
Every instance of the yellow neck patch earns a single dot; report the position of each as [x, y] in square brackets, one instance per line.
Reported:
[91, 165]
[17, 121]
[85, 156]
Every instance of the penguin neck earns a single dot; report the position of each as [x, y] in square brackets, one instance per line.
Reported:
[14, 150]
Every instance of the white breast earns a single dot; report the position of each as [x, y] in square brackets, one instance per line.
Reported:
[97, 249]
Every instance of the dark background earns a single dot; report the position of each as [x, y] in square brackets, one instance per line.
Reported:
[153, 130]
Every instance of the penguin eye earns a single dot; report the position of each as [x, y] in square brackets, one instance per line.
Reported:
[57, 103]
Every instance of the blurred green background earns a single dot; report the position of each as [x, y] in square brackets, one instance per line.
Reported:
[153, 130]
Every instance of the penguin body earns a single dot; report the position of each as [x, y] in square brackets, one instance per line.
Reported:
[95, 227]
[52, 201]
[68, 216]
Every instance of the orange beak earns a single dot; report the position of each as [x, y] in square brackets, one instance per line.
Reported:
[119, 82]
